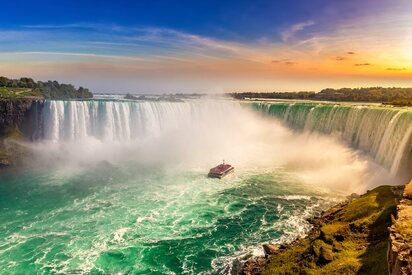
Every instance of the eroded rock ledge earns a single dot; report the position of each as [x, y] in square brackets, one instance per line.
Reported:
[400, 236]
[20, 119]
[350, 238]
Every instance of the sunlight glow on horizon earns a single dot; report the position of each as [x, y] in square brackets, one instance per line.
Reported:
[373, 50]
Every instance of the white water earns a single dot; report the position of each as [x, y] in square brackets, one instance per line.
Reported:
[195, 135]
[384, 133]
[122, 188]
[124, 121]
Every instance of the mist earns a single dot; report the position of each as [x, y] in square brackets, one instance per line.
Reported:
[197, 135]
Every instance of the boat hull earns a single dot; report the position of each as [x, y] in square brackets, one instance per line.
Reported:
[221, 174]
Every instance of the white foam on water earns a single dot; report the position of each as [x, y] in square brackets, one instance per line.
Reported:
[198, 134]
[119, 233]
[156, 155]
[380, 132]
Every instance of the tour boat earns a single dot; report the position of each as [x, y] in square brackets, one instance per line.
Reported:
[220, 171]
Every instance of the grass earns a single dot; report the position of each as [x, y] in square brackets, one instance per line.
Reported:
[356, 233]
[7, 92]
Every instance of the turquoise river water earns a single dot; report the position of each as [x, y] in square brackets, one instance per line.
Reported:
[118, 187]
[119, 220]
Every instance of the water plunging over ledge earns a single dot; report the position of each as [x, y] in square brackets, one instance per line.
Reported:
[121, 186]
[384, 133]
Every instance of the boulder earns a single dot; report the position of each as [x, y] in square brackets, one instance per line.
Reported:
[326, 255]
[270, 249]
[253, 266]
[337, 247]
[408, 191]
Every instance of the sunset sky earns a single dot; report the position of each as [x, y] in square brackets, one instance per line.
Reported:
[209, 46]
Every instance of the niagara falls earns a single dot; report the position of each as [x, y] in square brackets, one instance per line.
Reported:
[135, 173]
[213, 138]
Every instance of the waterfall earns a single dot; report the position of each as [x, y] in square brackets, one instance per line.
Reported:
[127, 120]
[384, 133]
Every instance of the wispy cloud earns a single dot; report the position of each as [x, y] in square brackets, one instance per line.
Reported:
[73, 54]
[396, 69]
[165, 52]
[77, 26]
[340, 58]
[362, 64]
[284, 62]
[155, 42]
[294, 29]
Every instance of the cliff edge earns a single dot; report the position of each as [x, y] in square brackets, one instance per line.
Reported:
[350, 238]
[20, 119]
[400, 237]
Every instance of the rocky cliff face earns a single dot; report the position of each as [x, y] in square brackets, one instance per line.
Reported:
[400, 238]
[22, 114]
[349, 238]
[20, 119]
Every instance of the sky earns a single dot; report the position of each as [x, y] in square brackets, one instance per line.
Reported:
[210, 46]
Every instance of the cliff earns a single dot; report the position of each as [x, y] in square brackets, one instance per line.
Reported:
[20, 119]
[350, 238]
[22, 113]
[400, 238]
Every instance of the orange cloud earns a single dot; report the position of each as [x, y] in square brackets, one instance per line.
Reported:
[362, 64]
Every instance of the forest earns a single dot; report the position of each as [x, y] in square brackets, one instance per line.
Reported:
[400, 96]
[51, 89]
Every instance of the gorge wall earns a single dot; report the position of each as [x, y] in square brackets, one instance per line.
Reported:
[23, 114]
[384, 133]
[19, 119]
[400, 237]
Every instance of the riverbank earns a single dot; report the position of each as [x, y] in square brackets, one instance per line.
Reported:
[350, 238]
[400, 237]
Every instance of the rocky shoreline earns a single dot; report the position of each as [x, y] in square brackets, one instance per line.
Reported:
[349, 238]
[400, 236]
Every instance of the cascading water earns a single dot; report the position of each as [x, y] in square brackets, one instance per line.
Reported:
[125, 121]
[384, 133]
[120, 186]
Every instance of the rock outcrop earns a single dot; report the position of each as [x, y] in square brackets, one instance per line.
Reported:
[349, 238]
[270, 249]
[20, 119]
[23, 114]
[400, 236]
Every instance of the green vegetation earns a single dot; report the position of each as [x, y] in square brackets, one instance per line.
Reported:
[19, 92]
[348, 239]
[372, 94]
[132, 97]
[55, 90]
[275, 95]
[400, 102]
[27, 87]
